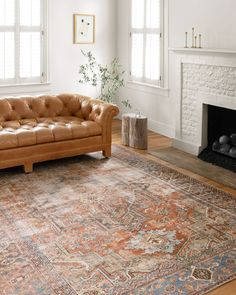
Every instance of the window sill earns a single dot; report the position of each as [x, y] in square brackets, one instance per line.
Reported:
[148, 88]
[18, 89]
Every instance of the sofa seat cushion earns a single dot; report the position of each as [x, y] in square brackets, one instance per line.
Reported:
[43, 130]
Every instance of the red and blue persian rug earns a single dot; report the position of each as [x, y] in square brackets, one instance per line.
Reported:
[127, 225]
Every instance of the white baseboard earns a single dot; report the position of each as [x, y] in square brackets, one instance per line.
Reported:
[157, 127]
[161, 128]
[186, 147]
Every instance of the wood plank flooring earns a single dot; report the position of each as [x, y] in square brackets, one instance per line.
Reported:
[160, 145]
[192, 163]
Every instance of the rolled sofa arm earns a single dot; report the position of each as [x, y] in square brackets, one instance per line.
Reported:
[101, 113]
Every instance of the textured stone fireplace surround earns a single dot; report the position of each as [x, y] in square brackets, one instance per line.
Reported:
[203, 77]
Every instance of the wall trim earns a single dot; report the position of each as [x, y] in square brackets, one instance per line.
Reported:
[25, 89]
[161, 128]
[158, 127]
[147, 88]
[186, 147]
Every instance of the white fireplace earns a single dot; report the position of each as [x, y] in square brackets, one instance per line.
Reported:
[203, 77]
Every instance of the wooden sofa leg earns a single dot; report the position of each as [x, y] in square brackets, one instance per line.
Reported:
[28, 167]
[107, 152]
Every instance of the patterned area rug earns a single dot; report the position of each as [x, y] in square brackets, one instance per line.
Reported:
[126, 225]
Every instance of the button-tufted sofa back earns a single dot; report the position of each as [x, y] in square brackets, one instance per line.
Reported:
[12, 109]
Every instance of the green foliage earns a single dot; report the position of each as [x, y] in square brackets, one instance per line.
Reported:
[110, 78]
[126, 103]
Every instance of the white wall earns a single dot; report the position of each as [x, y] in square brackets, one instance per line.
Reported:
[66, 56]
[215, 19]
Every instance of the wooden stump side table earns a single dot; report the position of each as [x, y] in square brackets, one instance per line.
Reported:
[134, 131]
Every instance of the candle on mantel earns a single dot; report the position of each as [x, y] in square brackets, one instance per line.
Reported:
[186, 39]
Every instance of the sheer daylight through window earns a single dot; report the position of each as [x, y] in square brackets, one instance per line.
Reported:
[146, 41]
[22, 44]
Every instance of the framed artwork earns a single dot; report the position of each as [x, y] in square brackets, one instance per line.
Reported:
[84, 29]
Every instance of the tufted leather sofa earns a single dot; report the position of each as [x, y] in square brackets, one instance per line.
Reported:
[35, 129]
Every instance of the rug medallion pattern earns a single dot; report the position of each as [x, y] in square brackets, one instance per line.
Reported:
[126, 225]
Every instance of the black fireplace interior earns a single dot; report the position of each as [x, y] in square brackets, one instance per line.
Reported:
[221, 121]
[221, 128]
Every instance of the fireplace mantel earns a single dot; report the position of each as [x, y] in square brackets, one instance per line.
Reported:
[202, 51]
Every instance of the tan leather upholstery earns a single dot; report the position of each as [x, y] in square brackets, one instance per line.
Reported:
[28, 121]
[12, 109]
[33, 131]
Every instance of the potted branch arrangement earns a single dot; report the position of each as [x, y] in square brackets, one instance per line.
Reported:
[109, 78]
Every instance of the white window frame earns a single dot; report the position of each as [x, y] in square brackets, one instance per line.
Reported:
[44, 66]
[145, 31]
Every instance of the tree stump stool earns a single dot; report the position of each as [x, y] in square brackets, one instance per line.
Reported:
[125, 129]
[134, 131]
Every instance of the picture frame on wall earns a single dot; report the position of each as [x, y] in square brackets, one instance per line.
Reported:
[84, 28]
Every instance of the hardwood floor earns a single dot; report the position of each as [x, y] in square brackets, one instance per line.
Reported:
[205, 172]
[158, 142]
[192, 163]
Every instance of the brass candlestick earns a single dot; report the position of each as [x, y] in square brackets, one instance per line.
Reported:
[192, 37]
[186, 39]
[200, 40]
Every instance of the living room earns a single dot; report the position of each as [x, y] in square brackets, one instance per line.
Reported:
[122, 115]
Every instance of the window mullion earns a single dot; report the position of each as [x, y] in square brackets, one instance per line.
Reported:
[17, 41]
[5, 29]
[30, 29]
[161, 42]
[153, 31]
[136, 31]
[42, 42]
[144, 39]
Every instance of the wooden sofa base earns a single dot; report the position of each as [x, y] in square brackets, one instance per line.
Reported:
[27, 156]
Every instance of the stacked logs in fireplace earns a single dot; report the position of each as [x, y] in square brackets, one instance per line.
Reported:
[226, 145]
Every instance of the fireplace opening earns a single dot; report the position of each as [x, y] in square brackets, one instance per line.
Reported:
[221, 149]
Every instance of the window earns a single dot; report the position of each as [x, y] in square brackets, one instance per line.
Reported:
[23, 42]
[146, 41]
